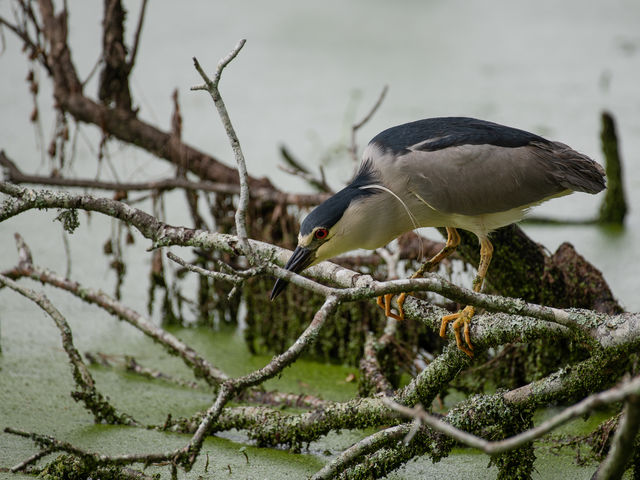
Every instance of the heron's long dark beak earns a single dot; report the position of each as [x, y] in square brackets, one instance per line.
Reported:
[299, 260]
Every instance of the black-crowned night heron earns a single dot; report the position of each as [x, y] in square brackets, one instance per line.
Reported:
[452, 172]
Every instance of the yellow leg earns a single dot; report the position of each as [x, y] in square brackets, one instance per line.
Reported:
[463, 317]
[453, 240]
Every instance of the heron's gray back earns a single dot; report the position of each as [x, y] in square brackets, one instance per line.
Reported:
[481, 179]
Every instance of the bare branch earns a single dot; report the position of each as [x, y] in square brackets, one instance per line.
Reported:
[15, 175]
[225, 277]
[32, 459]
[318, 183]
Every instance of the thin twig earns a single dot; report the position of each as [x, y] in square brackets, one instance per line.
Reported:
[290, 160]
[319, 184]
[212, 87]
[32, 459]
[33, 45]
[225, 277]
[353, 149]
[136, 37]
[295, 167]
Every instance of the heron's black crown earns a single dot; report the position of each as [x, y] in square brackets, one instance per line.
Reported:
[329, 212]
[444, 132]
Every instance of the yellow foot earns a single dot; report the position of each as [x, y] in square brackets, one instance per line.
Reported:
[384, 302]
[463, 317]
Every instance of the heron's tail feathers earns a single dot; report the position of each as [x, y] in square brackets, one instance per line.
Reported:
[573, 170]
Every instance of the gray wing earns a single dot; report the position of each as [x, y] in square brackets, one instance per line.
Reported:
[481, 179]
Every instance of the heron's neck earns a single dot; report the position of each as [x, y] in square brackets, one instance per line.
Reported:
[378, 220]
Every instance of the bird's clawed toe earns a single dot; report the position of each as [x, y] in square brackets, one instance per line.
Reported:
[384, 302]
[461, 320]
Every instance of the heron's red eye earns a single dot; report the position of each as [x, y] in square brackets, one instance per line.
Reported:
[321, 233]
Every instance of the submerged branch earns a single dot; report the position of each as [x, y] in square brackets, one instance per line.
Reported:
[199, 365]
[93, 400]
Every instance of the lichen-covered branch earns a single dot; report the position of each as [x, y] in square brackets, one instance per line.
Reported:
[370, 368]
[619, 393]
[231, 387]
[373, 443]
[615, 331]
